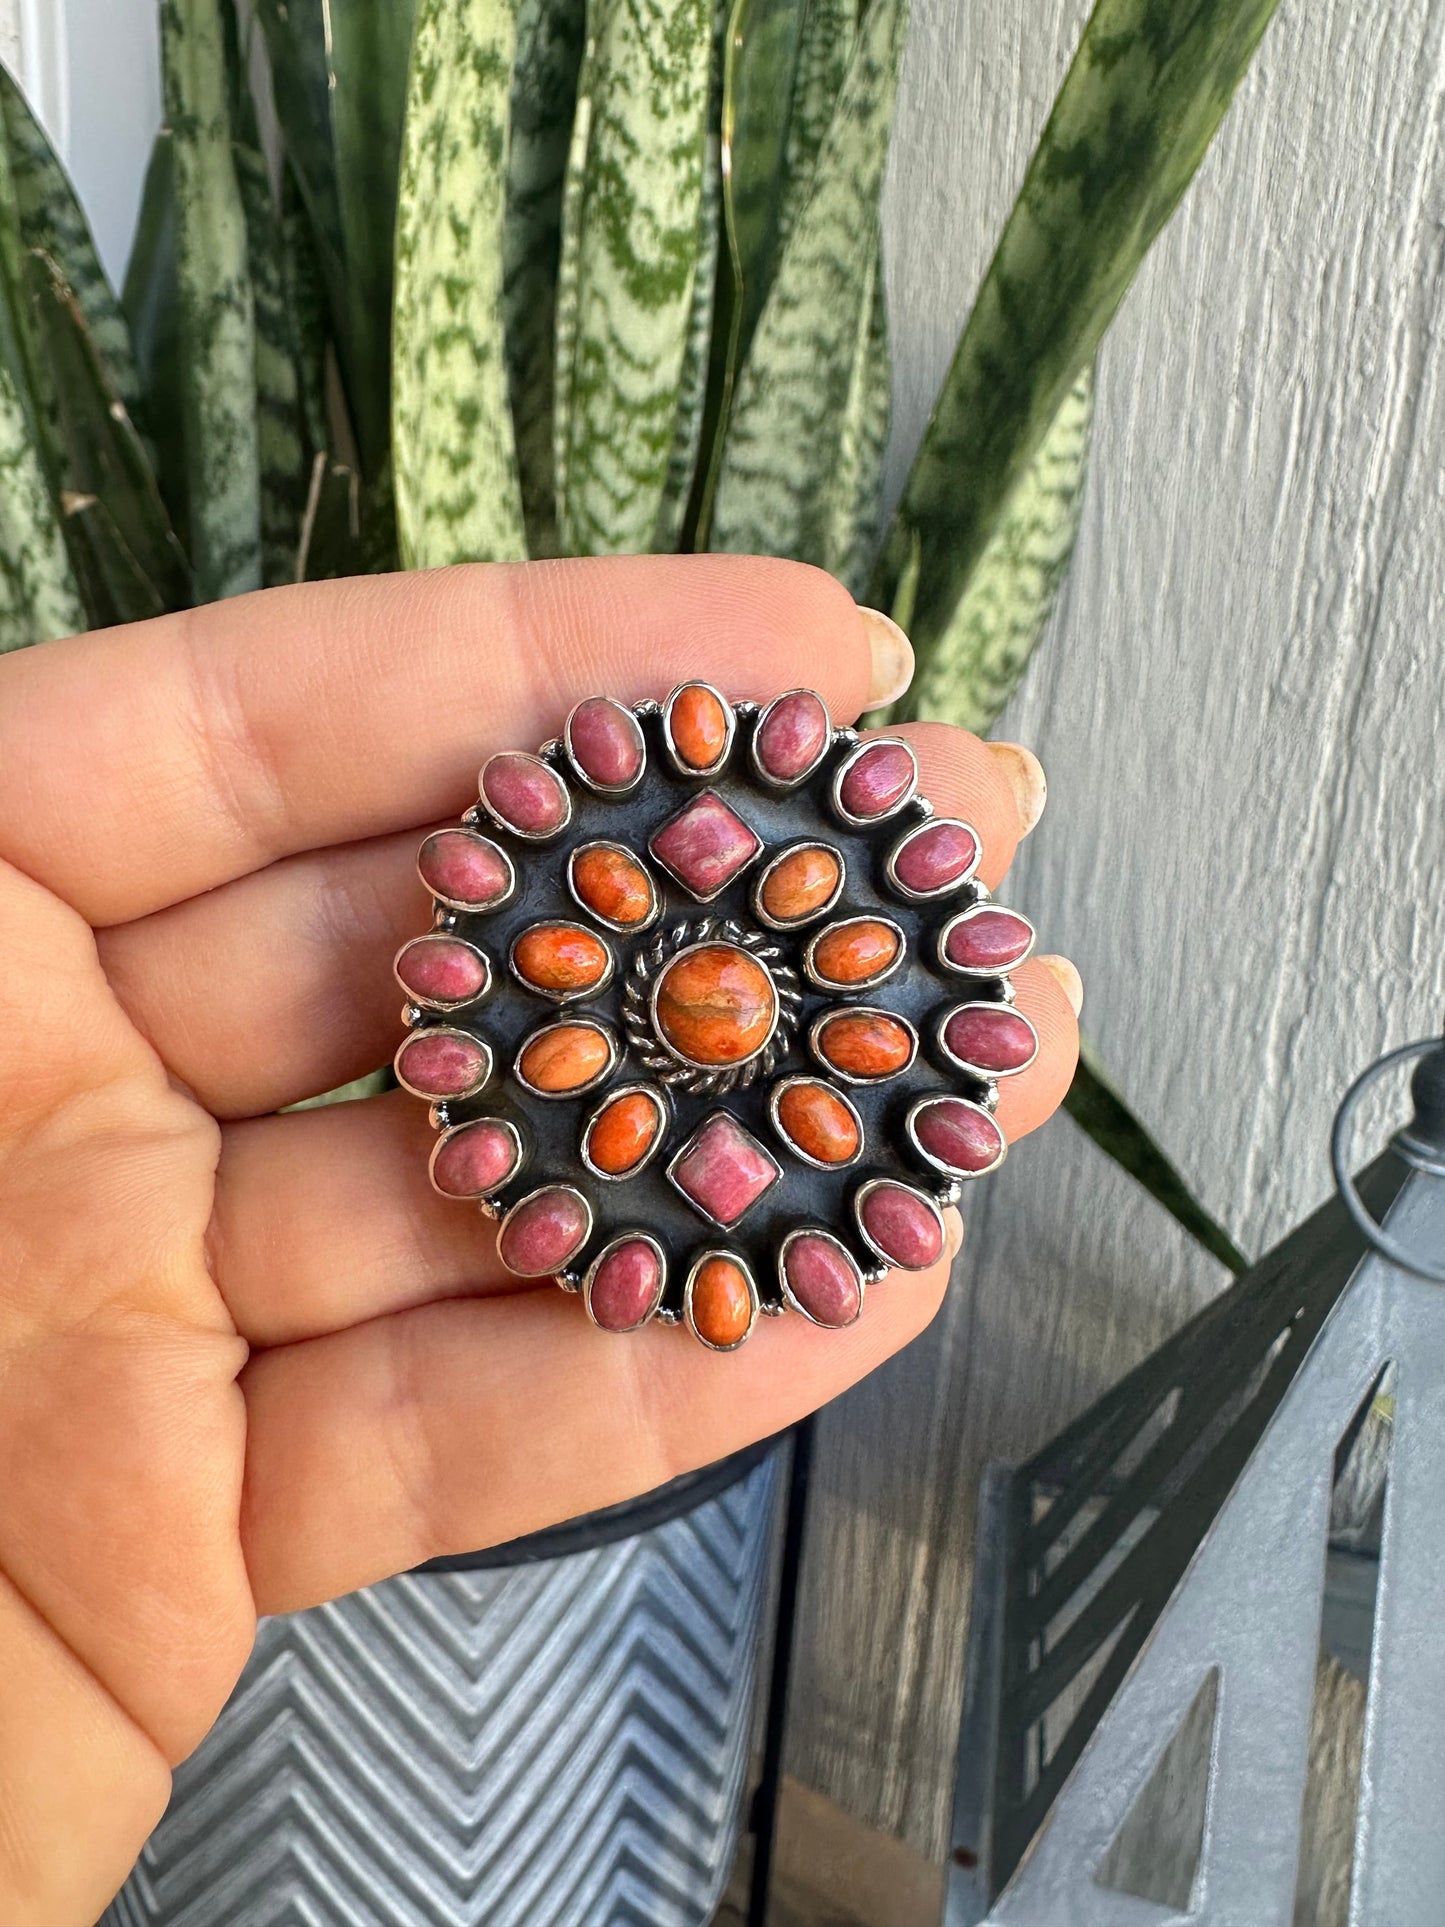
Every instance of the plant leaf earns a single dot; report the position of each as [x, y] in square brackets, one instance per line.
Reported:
[632, 232]
[758, 130]
[1098, 1109]
[457, 494]
[979, 659]
[38, 596]
[151, 300]
[825, 46]
[330, 544]
[306, 307]
[217, 371]
[790, 480]
[1146, 91]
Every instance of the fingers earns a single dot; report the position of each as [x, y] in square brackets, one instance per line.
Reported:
[467, 1424]
[142, 765]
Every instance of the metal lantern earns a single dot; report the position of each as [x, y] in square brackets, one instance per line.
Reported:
[1162, 1576]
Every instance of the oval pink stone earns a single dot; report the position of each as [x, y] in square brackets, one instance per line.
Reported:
[626, 1286]
[962, 1136]
[793, 735]
[991, 1037]
[474, 1159]
[442, 970]
[543, 1232]
[879, 781]
[524, 793]
[935, 857]
[824, 1280]
[903, 1225]
[606, 742]
[988, 939]
[443, 1063]
[463, 868]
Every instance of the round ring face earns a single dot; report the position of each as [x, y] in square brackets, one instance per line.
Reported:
[712, 1013]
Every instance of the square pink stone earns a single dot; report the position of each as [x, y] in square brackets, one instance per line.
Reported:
[723, 1170]
[705, 845]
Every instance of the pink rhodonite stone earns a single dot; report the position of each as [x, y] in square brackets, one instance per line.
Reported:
[543, 1232]
[442, 970]
[903, 1225]
[879, 781]
[463, 868]
[626, 1286]
[474, 1159]
[705, 845]
[936, 857]
[606, 742]
[988, 939]
[991, 1037]
[724, 1171]
[443, 1063]
[823, 1279]
[524, 793]
[793, 735]
[960, 1135]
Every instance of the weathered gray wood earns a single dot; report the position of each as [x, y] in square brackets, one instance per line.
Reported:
[1238, 707]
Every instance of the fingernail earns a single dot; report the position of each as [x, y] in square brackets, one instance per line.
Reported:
[952, 1232]
[1026, 774]
[892, 653]
[1067, 979]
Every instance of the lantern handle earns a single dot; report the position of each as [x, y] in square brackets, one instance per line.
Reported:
[1422, 1142]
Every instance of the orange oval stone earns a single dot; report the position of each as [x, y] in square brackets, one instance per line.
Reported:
[800, 884]
[564, 1058]
[612, 883]
[722, 1304]
[716, 1005]
[561, 958]
[698, 725]
[819, 1123]
[623, 1132]
[865, 1043]
[856, 952]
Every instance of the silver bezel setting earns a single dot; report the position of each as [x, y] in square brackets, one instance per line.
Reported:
[775, 1098]
[455, 1131]
[910, 1127]
[639, 996]
[979, 1070]
[755, 1298]
[824, 1018]
[591, 782]
[815, 976]
[781, 785]
[985, 904]
[573, 1021]
[563, 996]
[542, 1191]
[680, 1155]
[456, 903]
[704, 896]
[855, 755]
[696, 1063]
[444, 1030]
[960, 882]
[795, 1304]
[535, 837]
[865, 1191]
[824, 909]
[611, 923]
[590, 1276]
[664, 1115]
[441, 935]
[730, 732]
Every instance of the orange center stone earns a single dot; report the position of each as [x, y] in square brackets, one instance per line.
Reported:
[560, 957]
[564, 1058]
[800, 884]
[856, 952]
[819, 1123]
[623, 1133]
[722, 1305]
[699, 726]
[715, 1005]
[612, 883]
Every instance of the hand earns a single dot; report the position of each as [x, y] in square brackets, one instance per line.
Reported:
[248, 1362]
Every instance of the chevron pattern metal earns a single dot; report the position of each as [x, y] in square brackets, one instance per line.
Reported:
[556, 1745]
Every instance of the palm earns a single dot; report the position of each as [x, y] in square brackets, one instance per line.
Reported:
[249, 1360]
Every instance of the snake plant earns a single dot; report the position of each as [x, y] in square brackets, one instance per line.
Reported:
[539, 277]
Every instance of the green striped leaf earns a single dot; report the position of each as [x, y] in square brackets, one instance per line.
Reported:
[217, 371]
[825, 46]
[457, 494]
[38, 595]
[804, 422]
[151, 300]
[632, 233]
[758, 129]
[979, 659]
[1146, 91]
[1097, 1108]
[305, 307]
[285, 465]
